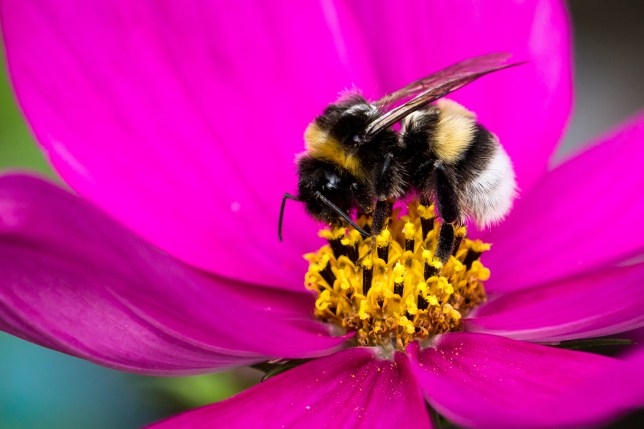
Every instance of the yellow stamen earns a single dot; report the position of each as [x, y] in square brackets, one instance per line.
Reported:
[400, 293]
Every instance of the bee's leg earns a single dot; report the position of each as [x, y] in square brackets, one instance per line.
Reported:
[380, 215]
[383, 182]
[447, 205]
[445, 242]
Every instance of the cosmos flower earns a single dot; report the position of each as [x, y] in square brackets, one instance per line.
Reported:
[176, 125]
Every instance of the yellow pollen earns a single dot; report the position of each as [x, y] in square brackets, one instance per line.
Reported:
[409, 231]
[401, 292]
[407, 325]
[364, 315]
[384, 238]
[399, 273]
[410, 303]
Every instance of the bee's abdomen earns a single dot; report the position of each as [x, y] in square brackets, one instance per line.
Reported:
[454, 133]
[486, 177]
[476, 165]
[478, 155]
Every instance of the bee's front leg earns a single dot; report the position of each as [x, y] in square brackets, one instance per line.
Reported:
[380, 215]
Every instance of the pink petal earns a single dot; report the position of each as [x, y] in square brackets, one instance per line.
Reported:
[182, 121]
[595, 305]
[75, 281]
[350, 389]
[581, 217]
[485, 381]
[636, 335]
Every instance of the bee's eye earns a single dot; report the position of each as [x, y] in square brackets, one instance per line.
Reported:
[332, 181]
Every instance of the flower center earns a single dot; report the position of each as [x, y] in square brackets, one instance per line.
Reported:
[400, 292]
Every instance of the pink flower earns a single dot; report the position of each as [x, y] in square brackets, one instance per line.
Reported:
[178, 122]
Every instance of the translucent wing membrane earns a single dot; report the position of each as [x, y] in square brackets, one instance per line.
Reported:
[462, 68]
[434, 87]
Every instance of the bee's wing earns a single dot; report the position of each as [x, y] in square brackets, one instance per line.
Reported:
[468, 66]
[434, 87]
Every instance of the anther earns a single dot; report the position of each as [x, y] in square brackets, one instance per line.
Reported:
[338, 248]
[472, 255]
[426, 225]
[458, 239]
[432, 266]
[383, 253]
[431, 269]
[382, 244]
[327, 275]
[399, 288]
[367, 277]
[353, 252]
[410, 232]
[409, 245]
[426, 214]
[399, 278]
[422, 303]
[350, 244]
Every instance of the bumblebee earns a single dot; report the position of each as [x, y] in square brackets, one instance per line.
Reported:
[355, 161]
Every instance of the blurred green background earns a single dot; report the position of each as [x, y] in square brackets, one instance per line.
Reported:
[40, 388]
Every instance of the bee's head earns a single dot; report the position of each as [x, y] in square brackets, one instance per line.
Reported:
[337, 185]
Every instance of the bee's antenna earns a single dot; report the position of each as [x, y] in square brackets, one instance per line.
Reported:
[340, 213]
[279, 225]
[328, 203]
